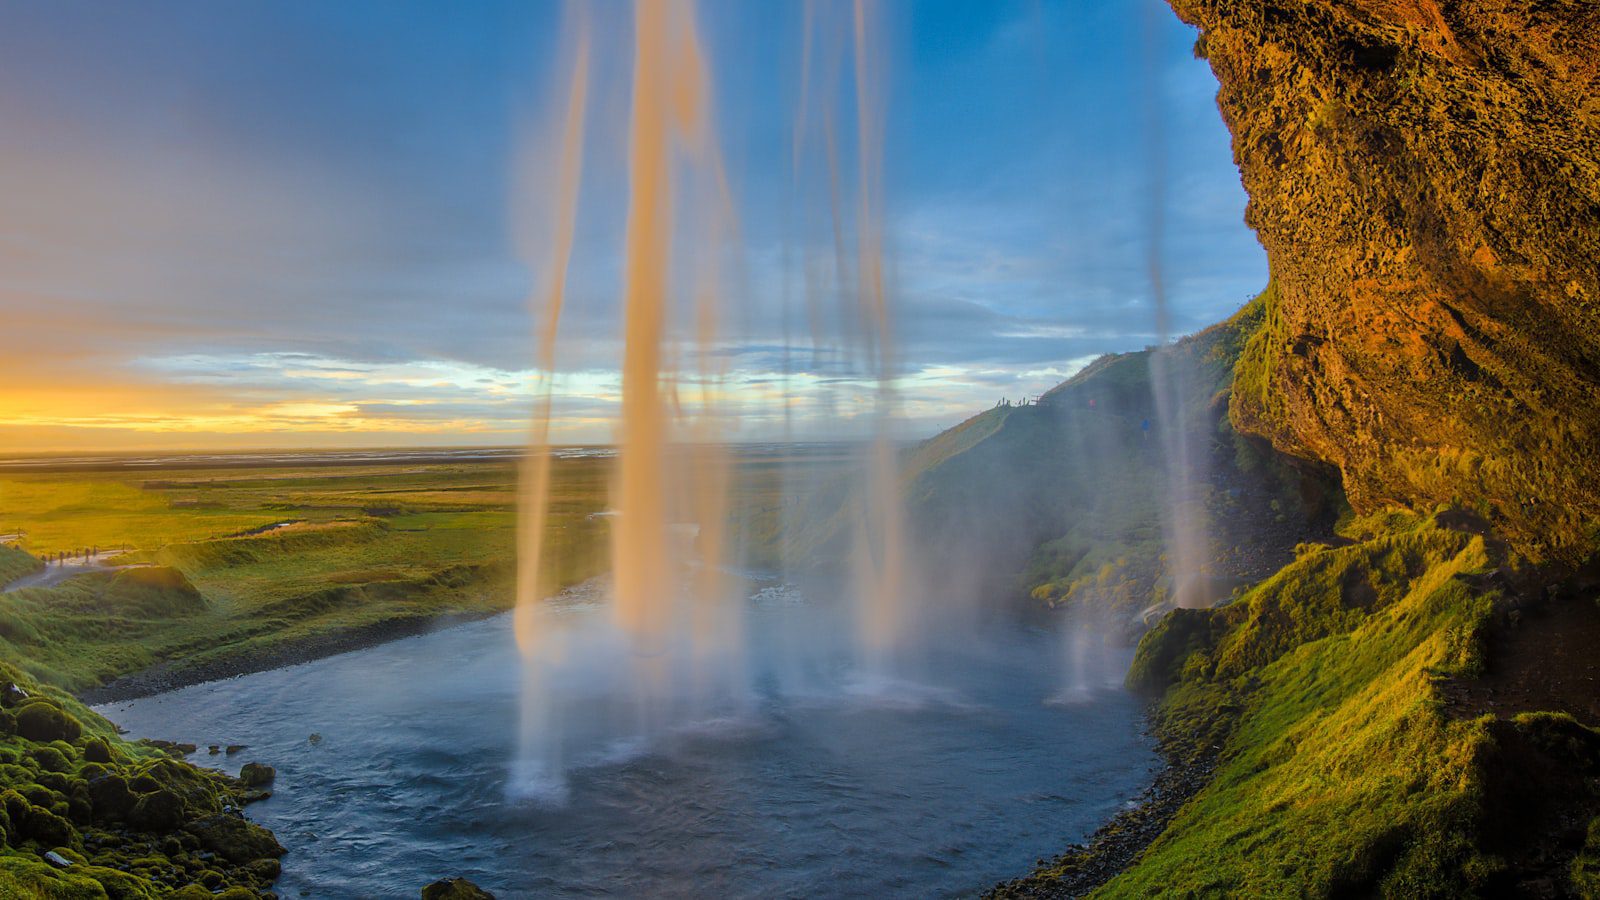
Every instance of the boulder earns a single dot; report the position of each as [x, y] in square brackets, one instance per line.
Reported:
[455, 889]
[50, 759]
[257, 774]
[41, 721]
[235, 839]
[158, 811]
[48, 828]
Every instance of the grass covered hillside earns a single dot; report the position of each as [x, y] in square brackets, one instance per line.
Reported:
[1409, 710]
[1354, 753]
[1070, 499]
[226, 570]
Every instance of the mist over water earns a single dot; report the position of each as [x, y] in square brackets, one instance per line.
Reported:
[826, 784]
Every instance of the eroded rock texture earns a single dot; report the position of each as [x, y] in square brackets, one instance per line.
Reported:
[1425, 177]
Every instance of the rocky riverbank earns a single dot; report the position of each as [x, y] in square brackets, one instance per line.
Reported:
[1083, 868]
[85, 814]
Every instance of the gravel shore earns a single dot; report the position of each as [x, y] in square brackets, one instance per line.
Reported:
[1083, 868]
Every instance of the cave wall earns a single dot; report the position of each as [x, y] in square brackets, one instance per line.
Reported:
[1425, 178]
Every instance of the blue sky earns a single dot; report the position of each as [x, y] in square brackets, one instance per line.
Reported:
[293, 223]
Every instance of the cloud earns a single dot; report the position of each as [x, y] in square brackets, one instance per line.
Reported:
[243, 224]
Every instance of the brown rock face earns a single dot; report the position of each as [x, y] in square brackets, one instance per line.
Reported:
[1425, 177]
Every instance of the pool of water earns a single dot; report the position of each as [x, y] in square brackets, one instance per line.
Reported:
[938, 785]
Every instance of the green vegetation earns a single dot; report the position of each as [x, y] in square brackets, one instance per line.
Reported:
[241, 562]
[1254, 402]
[123, 820]
[1341, 770]
[15, 563]
[70, 512]
[1323, 701]
[1586, 867]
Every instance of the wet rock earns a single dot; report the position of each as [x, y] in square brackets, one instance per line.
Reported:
[214, 749]
[265, 870]
[455, 889]
[257, 774]
[57, 860]
[235, 839]
[235, 748]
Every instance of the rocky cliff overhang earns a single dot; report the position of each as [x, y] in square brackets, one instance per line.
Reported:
[1425, 177]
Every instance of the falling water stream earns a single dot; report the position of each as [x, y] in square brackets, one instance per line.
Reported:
[673, 640]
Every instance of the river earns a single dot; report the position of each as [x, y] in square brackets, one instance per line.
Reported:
[394, 769]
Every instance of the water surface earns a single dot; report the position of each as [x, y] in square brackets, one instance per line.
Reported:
[933, 786]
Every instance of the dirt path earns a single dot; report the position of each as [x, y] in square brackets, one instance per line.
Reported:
[55, 573]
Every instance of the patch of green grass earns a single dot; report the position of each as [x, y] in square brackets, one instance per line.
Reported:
[66, 513]
[15, 563]
[1264, 341]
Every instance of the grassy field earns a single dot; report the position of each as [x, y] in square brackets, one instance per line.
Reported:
[240, 561]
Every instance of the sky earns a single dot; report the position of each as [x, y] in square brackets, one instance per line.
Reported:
[296, 223]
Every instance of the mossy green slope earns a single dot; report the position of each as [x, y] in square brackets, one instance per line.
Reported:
[1340, 770]
[127, 820]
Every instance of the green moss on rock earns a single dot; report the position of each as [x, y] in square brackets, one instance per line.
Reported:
[131, 819]
[42, 720]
